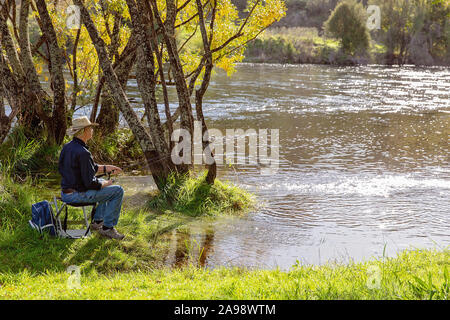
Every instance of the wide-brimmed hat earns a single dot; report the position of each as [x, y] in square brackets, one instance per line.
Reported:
[80, 123]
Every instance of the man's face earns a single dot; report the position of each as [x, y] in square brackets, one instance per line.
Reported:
[89, 133]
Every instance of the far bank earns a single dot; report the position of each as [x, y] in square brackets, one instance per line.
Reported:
[301, 45]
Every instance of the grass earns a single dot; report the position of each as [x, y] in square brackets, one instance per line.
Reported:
[291, 45]
[144, 248]
[118, 147]
[192, 196]
[35, 267]
[301, 45]
[25, 157]
[147, 226]
[420, 274]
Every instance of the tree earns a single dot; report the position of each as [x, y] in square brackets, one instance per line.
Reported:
[117, 31]
[347, 22]
[396, 27]
[155, 24]
[14, 96]
[415, 31]
[154, 35]
[23, 77]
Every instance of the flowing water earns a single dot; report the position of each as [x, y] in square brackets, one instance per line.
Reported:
[364, 164]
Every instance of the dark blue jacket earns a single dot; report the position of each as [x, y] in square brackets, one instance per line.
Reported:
[77, 167]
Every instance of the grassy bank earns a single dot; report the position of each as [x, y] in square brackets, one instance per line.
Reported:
[146, 223]
[35, 267]
[412, 275]
[304, 45]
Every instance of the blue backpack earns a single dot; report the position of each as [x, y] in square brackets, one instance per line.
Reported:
[42, 218]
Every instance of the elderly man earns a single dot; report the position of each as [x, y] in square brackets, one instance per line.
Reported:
[79, 183]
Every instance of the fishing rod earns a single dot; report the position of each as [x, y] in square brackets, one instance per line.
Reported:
[108, 174]
[142, 162]
[163, 157]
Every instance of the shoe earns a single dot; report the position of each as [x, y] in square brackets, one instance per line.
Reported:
[111, 233]
[96, 226]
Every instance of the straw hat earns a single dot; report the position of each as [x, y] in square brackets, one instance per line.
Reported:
[78, 124]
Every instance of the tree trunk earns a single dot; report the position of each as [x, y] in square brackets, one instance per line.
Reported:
[38, 109]
[163, 81]
[128, 58]
[28, 117]
[36, 105]
[212, 168]
[58, 125]
[120, 98]
[146, 78]
[12, 90]
[75, 72]
[168, 31]
[108, 117]
[5, 125]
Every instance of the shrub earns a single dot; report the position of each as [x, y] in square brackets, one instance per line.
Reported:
[120, 148]
[193, 196]
[348, 23]
[21, 156]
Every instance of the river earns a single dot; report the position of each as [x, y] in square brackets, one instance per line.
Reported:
[363, 171]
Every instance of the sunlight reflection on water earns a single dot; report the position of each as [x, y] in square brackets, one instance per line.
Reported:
[364, 162]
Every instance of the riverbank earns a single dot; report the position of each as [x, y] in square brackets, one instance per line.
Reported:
[420, 274]
[301, 45]
[146, 220]
[34, 267]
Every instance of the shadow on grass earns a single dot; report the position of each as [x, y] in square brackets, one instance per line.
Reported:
[145, 247]
[24, 249]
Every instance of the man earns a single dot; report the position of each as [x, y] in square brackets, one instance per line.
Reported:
[79, 183]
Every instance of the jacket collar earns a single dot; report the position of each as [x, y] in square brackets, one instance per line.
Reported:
[78, 140]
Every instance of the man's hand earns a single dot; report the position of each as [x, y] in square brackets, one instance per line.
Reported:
[113, 169]
[106, 183]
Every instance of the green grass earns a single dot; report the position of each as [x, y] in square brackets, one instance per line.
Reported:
[23, 157]
[147, 230]
[420, 274]
[192, 196]
[119, 148]
[291, 45]
[21, 248]
[34, 266]
[302, 45]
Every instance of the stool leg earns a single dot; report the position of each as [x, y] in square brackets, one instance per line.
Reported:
[58, 220]
[85, 217]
